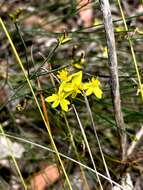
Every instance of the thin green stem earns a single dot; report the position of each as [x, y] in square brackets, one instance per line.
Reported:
[132, 49]
[36, 101]
[24, 45]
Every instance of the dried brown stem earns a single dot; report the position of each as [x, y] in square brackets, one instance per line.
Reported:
[113, 67]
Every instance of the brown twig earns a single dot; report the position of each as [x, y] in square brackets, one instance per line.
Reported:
[43, 103]
[113, 68]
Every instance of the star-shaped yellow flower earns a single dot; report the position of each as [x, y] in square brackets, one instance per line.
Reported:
[63, 75]
[75, 86]
[93, 87]
[59, 99]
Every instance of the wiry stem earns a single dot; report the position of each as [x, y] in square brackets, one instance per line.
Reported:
[132, 49]
[87, 145]
[76, 152]
[96, 135]
[113, 67]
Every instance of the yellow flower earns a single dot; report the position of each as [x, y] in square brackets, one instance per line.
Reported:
[63, 75]
[93, 86]
[75, 86]
[59, 99]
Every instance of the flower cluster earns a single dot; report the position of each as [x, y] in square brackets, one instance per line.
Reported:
[70, 86]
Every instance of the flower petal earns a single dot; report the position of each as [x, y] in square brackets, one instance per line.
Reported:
[98, 93]
[51, 98]
[86, 85]
[61, 87]
[66, 94]
[77, 78]
[89, 91]
[95, 82]
[55, 104]
[74, 94]
[64, 104]
[68, 87]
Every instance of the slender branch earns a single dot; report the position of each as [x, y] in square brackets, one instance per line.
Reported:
[97, 138]
[135, 142]
[113, 67]
[24, 46]
[71, 134]
[87, 145]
